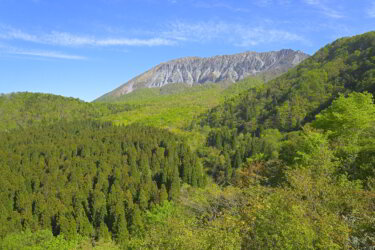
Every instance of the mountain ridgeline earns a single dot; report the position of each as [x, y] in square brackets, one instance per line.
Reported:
[196, 70]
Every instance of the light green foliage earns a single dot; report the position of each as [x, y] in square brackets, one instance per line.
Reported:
[37, 241]
[21, 110]
[349, 123]
[280, 224]
[198, 221]
[335, 206]
[160, 213]
[347, 117]
[271, 142]
[313, 151]
[44, 240]
[174, 106]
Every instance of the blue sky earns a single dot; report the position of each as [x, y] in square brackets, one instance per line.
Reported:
[86, 48]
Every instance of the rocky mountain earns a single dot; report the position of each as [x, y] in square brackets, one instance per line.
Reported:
[196, 70]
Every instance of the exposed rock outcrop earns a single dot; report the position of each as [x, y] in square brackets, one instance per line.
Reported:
[196, 70]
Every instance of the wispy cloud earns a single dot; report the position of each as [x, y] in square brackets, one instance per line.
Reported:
[371, 11]
[237, 34]
[263, 3]
[211, 4]
[202, 31]
[136, 42]
[267, 3]
[220, 5]
[68, 39]
[49, 54]
[10, 33]
[256, 36]
[324, 9]
[39, 53]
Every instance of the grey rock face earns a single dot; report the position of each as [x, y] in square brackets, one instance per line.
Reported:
[196, 70]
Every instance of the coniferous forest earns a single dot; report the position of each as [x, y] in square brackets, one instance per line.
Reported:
[284, 164]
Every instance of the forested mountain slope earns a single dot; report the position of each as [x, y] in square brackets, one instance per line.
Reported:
[23, 109]
[307, 140]
[294, 98]
[174, 106]
[257, 119]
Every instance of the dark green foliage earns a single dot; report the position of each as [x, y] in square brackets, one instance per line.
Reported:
[89, 178]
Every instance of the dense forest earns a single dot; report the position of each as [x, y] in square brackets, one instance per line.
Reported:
[288, 164]
[90, 178]
[257, 119]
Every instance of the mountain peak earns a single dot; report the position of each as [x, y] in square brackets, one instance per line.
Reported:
[200, 70]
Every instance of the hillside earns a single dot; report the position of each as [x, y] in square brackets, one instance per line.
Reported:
[294, 98]
[174, 106]
[20, 110]
[256, 121]
[196, 70]
[305, 135]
